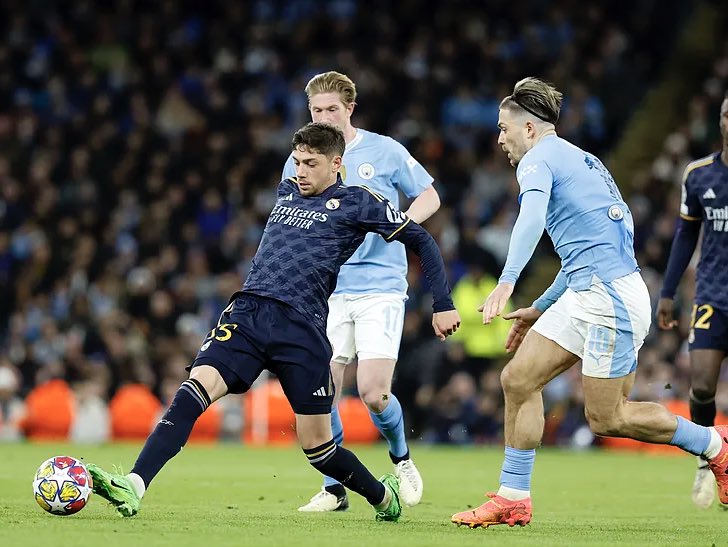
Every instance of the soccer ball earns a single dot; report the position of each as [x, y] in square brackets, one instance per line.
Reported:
[62, 485]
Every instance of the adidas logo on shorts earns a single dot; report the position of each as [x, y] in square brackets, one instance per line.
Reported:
[320, 392]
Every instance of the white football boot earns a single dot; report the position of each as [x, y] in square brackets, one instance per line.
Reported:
[410, 482]
[325, 501]
[703, 487]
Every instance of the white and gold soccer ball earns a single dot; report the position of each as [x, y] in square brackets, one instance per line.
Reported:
[62, 485]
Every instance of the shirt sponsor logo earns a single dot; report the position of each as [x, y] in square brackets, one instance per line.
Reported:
[719, 216]
[295, 216]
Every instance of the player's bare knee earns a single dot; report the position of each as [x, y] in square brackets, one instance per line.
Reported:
[515, 385]
[211, 380]
[604, 424]
[308, 438]
[375, 400]
[313, 430]
[308, 442]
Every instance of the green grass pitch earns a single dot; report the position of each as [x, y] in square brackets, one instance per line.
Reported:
[233, 495]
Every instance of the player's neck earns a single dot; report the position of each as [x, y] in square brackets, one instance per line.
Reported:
[724, 155]
[349, 134]
[329, 185]
[546, 133]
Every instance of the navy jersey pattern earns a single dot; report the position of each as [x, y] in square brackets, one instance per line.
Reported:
[705, 198]
[308, 238]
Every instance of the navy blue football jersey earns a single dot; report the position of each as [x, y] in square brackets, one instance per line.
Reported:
[307, 239]
[705, 198]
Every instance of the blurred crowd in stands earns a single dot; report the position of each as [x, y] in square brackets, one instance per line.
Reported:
[141, 145]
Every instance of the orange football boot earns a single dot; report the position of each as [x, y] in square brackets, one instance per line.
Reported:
[719, 464]
[498, 510]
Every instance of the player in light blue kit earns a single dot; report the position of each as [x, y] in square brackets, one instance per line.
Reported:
[597, 310]
[366, 311]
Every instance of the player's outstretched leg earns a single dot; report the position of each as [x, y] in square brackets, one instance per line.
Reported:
[390, 422]
[117, 489]
[341, 464]
[374, 380]
[332, 496]
[125, 492]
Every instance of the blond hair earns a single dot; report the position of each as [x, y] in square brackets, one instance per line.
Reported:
[332, 82]
[536, 97]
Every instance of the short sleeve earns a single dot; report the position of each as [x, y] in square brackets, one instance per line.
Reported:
[378, 215]
[690, 208]
[409, 175]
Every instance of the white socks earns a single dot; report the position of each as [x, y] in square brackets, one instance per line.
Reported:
[513, 494]
[137, 483]
[714, 446]
[385, 502]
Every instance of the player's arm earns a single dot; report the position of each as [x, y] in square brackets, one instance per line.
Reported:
[425, 205]
[445, 318]
[552, 294]
[526, 234]
[414, 180]
[683, 247]
[379, 216]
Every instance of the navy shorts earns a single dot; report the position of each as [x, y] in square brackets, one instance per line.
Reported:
[708, 328]
[255, 333]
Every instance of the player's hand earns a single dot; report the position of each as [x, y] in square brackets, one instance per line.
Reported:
[522, 318]
[445, 323]
[496, 302]
[665, 318]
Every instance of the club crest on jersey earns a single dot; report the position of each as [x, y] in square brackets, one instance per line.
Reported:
[366, 171]
[332, 204]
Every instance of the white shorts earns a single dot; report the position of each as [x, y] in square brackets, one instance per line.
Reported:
[604, 325]
[368, 326]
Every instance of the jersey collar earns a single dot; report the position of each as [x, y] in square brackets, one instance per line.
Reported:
[331, 189]
[356, 140]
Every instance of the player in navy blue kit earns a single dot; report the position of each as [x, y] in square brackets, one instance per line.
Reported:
[278, 322]
[704, 203]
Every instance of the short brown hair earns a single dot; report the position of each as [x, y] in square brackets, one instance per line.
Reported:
[536, 97]
[332, 82]
[321, 138]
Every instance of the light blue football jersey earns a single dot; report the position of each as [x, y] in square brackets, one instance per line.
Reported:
[589, 223]
[385, 166]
